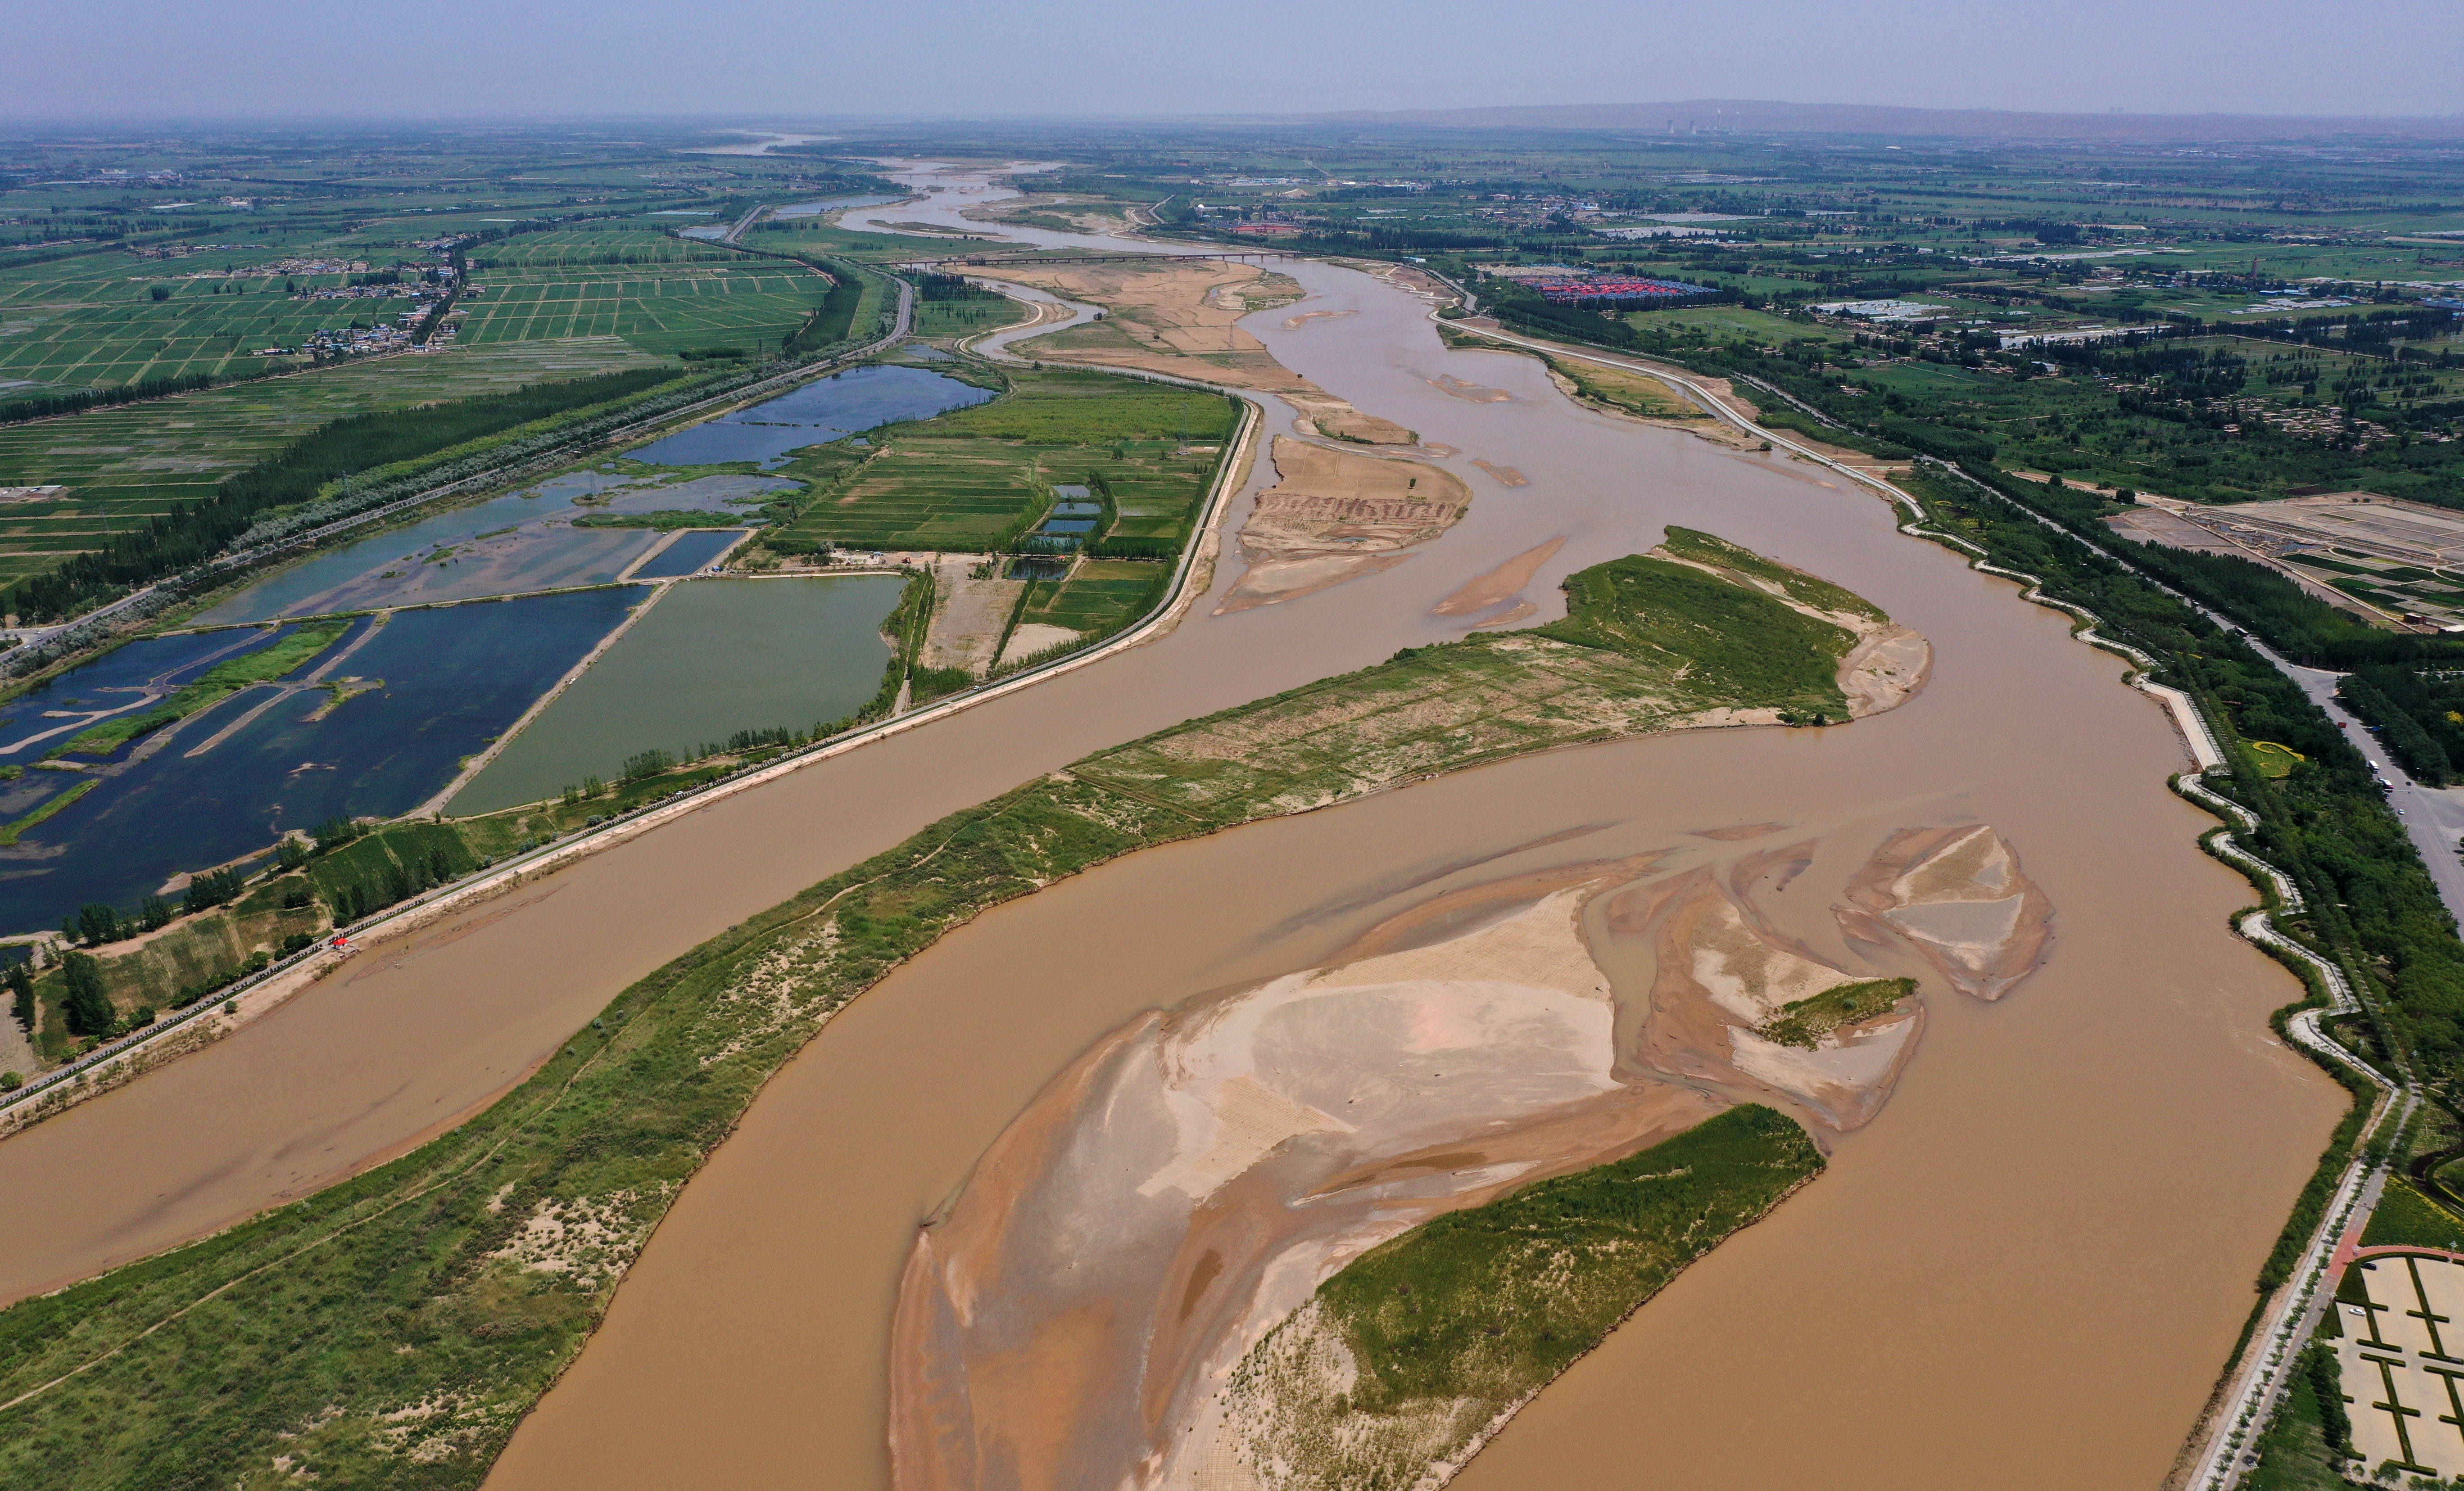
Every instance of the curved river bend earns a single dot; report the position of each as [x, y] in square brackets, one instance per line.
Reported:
[2082, 1176]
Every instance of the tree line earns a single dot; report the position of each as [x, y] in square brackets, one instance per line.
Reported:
[193, 533]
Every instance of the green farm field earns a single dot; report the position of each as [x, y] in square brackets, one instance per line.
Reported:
[964, 317]
[585, 247]
[812, 236]
[1098, 597]
[665, 310]
[93, 320]
[926, 491]
[134, 461]
[1723, 322]
[969, 480]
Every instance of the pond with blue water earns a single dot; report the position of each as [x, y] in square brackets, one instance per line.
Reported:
[426, 687]
[507, 545]
[822, 411]
[713, 657]
[692, 550]
[420, 693]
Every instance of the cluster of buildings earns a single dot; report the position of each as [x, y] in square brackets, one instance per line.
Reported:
[326, 345]
[1563, 284]
[412, 288]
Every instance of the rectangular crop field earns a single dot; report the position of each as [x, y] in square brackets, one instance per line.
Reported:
[1100, 596]
[963, 495]
[659, 308]
[1077, 409]
[967, 481]
[1733, 323]
[126, 464]
[590, 248]
[964, 317]
[94, 321]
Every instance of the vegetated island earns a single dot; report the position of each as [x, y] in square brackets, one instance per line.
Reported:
[401, 1323]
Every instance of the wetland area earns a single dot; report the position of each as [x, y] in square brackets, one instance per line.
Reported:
[2079, 1096]
[420, 680]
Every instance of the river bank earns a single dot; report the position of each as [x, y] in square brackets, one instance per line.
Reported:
[2141, 1023]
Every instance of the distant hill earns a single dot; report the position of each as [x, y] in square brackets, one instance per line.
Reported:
[1765, 117]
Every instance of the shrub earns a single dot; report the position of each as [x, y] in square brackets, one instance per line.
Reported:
[87, 1007]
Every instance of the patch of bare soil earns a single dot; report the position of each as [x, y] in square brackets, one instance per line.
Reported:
[1415, 282]
[1166, 317]
[1296, 322]
[1333, 515]
[1956, 896]
[968, 615]
[1737, 832]
[1499, 586]
[1476, 393]
[1719, 433]
[1082, 214]
[1884, 669]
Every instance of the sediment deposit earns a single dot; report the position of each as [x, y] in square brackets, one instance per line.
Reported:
[1182, 319]
[1333, 515]
[1091, 1310]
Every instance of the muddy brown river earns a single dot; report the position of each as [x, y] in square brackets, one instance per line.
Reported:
[2025, 1272]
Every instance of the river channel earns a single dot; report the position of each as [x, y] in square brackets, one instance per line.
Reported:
[2026, 1272]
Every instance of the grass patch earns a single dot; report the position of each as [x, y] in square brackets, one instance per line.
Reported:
[47, 811]
[1738, 641]
[1627, 393]
[1702, 548]
[2275, 760]
[1460, 1318]
[1805, 1022]
[2295, 1452]
[2406, 1217]
[214, 685]
[374, 1334]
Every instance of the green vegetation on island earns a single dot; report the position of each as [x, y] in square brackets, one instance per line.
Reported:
[283, 655]
[1804, 1023]
[1438, 1334]
[386, 1330]
[46, 811]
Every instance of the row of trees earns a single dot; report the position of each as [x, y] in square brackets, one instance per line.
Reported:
[191, 534]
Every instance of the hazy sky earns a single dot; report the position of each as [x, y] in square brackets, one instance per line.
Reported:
[287, 59]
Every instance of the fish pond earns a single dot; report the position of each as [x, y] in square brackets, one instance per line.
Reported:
[524, 541]
[692, 550]
[820, 411]
[402, 701]
[121, 682]
[713, 657]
